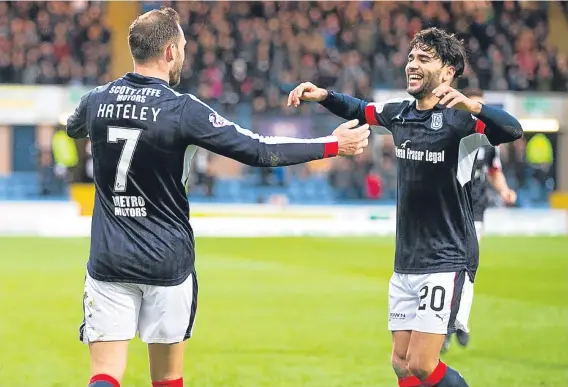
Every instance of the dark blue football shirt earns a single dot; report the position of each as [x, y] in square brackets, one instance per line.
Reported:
[143, 136]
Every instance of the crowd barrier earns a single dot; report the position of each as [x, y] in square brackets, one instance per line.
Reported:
[63, 219]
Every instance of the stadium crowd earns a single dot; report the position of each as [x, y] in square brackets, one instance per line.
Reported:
[53, 43]
[252, 53]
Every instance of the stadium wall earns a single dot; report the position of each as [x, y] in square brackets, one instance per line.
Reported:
[63, 219]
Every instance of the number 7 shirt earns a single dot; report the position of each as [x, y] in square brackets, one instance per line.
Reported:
[143, 136]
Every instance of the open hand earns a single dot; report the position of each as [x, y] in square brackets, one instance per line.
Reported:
[352, 139]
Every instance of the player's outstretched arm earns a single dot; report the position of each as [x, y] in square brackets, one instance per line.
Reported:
[202, 126]
[344, 106]
[77, 122]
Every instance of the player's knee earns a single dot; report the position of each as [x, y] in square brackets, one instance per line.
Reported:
[420, 366]
[400, 366]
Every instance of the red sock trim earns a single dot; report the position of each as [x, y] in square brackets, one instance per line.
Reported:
[330, 149]
[409, 381]
[436, 376]
[169, 383]
[105, 378]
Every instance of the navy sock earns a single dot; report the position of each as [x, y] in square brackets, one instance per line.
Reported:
[103, 380]
[101, 383]
[444, 376]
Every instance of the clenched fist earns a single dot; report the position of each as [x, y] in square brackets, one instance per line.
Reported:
[306, 91]
[352, 139]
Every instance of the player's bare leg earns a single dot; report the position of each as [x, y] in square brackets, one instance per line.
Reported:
[108, 362]
[400, 342]
[166, 364]
[424, 361]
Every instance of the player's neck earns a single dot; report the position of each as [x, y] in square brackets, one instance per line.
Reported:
[150, 71]
[427, 103]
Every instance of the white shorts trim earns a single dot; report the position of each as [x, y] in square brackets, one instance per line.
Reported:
[116, 311]
[436, 303]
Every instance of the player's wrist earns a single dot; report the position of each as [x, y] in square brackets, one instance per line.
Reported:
[475, 107]
[330, 147]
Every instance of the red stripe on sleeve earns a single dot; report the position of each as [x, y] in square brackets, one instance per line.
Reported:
[370, 114]
[330, 149]
[480, 127]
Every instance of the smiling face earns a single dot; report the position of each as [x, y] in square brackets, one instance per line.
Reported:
[425, 72]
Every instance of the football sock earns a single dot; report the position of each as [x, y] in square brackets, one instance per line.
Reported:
[409, 381]
[102, 380]
[444, 376]
[169, 383]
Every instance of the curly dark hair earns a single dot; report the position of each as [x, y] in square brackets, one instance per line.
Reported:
[447, 47]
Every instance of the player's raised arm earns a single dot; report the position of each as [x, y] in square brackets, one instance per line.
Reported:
[77, 122]
[204, 127]
[498, 125]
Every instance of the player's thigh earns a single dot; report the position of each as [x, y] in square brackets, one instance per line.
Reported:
[479, 227]
[402, 304]
[439, 296]
[167, 313]
[110, 311]
[166, 361]
[110, 320]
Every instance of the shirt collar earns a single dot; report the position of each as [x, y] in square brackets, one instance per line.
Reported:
[143, 80]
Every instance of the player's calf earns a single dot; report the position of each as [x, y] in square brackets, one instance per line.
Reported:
[108, 363]
[166, 364]
[424, 362]
[399, 362]
[442, 376]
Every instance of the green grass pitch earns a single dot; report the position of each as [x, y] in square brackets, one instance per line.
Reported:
[292, 312]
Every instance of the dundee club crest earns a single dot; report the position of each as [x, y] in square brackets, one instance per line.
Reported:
[437, 121]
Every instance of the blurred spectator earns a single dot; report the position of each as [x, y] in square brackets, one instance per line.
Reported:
[256, 51]
[244, 57]
[202, 180]
[53, 43]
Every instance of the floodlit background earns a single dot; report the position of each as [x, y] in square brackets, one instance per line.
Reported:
[293, 262]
